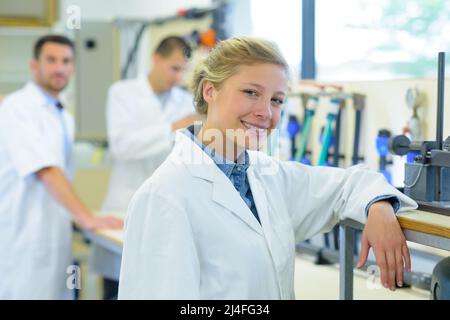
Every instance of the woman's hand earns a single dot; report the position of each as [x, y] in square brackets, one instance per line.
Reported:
[383, 233]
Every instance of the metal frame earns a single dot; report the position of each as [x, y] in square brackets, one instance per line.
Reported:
[106, 256]
[346, 261]
[347, 242]
[308, 65]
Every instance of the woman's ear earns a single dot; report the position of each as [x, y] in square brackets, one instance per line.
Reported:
[208, 91]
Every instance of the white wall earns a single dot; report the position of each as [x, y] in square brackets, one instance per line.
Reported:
[107, 10]
[239, 21]
[385, 108]
[138, 9]
[16, 43]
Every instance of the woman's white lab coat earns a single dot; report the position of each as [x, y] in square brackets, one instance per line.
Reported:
[139, 135]
[35, 230]
[189, 234]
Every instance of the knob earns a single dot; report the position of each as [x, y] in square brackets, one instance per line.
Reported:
[399, 145]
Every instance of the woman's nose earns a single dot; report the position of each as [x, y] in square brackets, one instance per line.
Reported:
[264, 110]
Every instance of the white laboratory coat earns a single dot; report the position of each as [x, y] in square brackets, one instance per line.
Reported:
[139, 135]
[189, 234]
[35, 231]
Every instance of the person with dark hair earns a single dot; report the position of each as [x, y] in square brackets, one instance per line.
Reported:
[53, 38]
[169, 44]
[141, 114]
[37, 202]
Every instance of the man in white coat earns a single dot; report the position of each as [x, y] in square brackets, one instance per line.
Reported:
[37, 201]
[142, 113]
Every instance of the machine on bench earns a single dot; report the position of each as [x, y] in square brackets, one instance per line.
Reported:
[427, 179]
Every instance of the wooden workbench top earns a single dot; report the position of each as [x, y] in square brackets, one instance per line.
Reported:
[426, 222]
[115, 236]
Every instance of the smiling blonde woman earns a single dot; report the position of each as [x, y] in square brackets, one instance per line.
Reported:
[225, 227]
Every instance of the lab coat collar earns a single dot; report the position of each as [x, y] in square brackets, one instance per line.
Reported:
[40, 97]
[147, 89]
[35, 93]
[201, 166]
[144, 84]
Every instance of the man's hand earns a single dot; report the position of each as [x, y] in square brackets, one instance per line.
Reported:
[102, 222]
[383, 233]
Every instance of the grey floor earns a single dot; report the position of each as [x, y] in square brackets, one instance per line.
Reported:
[322, 282]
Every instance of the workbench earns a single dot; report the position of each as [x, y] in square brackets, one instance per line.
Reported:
[426, 228]
[420, 227]
[106, 252]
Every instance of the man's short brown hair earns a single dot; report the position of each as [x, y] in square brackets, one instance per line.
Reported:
[168, 45]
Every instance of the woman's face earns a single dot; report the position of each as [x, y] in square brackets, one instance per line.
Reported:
[248, 105]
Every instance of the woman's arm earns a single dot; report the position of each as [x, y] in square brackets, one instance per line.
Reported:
[383, 233]
[319, 197]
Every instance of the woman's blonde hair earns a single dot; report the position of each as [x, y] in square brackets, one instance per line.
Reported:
[226, 58]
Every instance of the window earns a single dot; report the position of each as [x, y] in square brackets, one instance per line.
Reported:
[383, 39]
[280, 21]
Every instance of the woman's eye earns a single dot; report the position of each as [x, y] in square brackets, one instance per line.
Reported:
[278, 101]
[251, 93]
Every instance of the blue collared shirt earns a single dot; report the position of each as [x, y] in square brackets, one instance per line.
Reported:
[235, 171]
[393, 200]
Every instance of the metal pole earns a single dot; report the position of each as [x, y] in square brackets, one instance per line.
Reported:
[440, 100]
[359, 101]
[440, 119]
[308, 65]
[337, 138]
[346, 259]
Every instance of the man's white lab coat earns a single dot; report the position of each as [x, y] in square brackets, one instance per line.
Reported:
[35, 230]
[139, 135]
